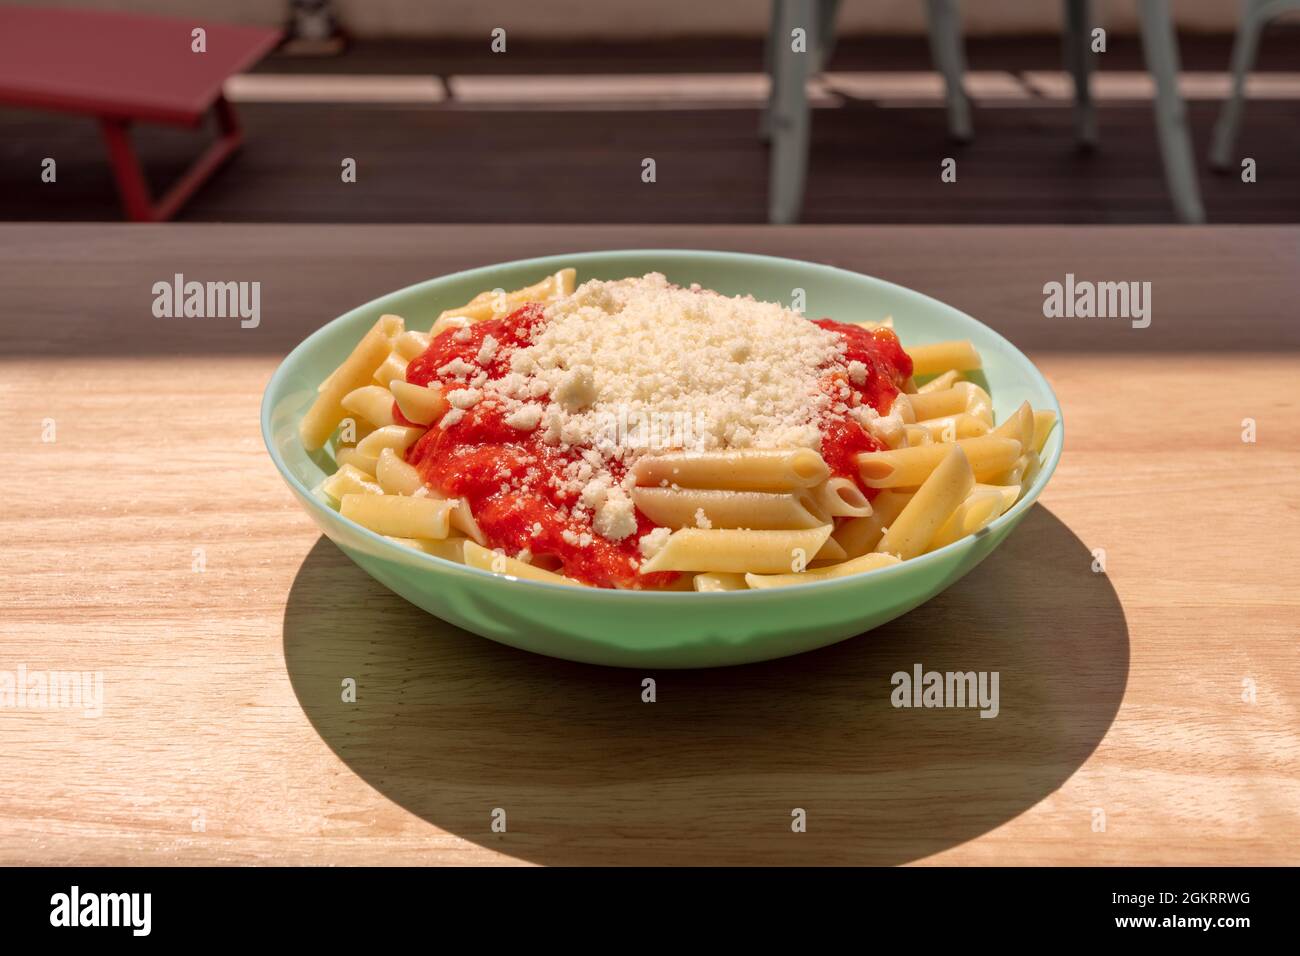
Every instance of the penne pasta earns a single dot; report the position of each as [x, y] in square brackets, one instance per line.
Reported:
[938, 404]
[841, 498]
[767, 552]
[462, 519]
[978, 404]
[487, 305]
[1013, 475]
[858, 565]
[831, 550]
[962, 397]
[350, 480]
[934, 502]
[395, 476]
[861, 535]
[1019, 425]
[347, 455]
[1010, 493]
[450, 549]
[1021, 473]
[719, 581]
[941, 382]
[418, 403]
[1044, 419]
[902, 409]
[953, 427]
[916, 435]
[477, 556]
[327, 411]
[352, 429]
[398, 516]
[410, 344]
[976, 511]
[447, 322]
[397, 437]
[371, 402]
[1029, 464]
[890, 430]
[943, 356]
[719, 508]
[909, 467]
[391, 369]
[742, 470]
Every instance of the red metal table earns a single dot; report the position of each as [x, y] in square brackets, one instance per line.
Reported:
[126, 68]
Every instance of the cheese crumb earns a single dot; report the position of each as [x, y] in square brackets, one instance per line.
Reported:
[652, 542]
[464, 397]
[616, 517]
[524, 418]
[457, 368]
[576, 390]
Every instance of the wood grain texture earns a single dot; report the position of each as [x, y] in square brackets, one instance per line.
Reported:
[223, 738]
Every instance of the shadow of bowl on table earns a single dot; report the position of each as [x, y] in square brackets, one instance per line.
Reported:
[452, 726]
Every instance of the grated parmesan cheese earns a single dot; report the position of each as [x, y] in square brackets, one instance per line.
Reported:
[734, 372]
[730, 372]
[464, 397]
[457, 368]
[487, 351]
[652, 542]
[524, 418]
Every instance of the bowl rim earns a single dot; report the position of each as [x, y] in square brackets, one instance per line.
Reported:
[1054, 448]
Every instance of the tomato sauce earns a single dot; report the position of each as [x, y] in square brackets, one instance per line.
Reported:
[505, 473]
[888, 368]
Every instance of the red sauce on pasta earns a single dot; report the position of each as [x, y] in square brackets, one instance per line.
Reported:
[887, 368]
[503, 472]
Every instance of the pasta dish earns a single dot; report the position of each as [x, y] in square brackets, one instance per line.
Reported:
[637, 434]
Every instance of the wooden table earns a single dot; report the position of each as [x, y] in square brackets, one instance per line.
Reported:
[223, 738]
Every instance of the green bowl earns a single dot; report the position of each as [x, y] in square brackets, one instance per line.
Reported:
[650, 629]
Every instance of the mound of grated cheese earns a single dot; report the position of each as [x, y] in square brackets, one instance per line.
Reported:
[734, 372]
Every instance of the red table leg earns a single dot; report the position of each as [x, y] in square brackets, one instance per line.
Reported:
[131, 185]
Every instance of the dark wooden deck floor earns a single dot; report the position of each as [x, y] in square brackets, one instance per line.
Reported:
[869, 164]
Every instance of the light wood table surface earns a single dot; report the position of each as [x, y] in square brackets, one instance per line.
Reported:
[1161, 698]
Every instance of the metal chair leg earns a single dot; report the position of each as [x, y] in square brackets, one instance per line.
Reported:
[1254, 14]
[1076, 45]
[770, 66]
[946, 49]
[822, 42]
[1161, 50]
[789, 118]
[827, 11]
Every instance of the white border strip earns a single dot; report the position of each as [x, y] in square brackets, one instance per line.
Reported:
[649, 91]
[333, 88]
